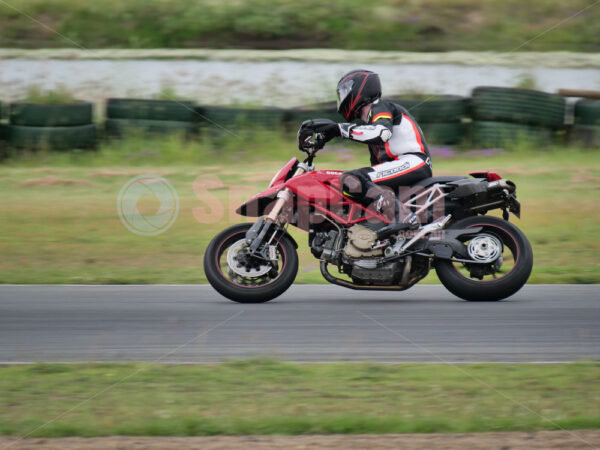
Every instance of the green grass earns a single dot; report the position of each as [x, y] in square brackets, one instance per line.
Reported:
[271, 397]
[59, 96]
[60, 223]
[430, 25]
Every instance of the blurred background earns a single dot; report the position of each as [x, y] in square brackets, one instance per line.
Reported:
[205, 97]
[209, 96]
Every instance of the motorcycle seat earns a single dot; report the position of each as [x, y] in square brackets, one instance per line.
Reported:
[429, 181]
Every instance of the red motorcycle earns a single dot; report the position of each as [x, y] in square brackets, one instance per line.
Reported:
[476, 257]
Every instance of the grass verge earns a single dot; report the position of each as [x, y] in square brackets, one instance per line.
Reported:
[430, 25]
[60, 222]
[272, 397]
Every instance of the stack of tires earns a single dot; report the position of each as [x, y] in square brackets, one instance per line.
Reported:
[134, 116]
[295, 116]
[440, 118]
[53, 127]
[3, 131]
[586, 126]
[3, 126]
[505, 116]
[241, 119]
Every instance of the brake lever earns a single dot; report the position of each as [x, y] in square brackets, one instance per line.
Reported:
[311, 146]
[319, 142]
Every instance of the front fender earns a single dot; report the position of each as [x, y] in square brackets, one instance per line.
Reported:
[257, 206]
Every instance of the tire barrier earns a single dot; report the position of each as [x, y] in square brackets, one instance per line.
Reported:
[55, 138]
[242, 118]
[443, 133]
[3, 132]
[522, 106]
[4, 150]
[126, 116]
[586, 128]
[124, 127]
[67, 115]
[295, 116]
[53, 127]
[587, 112]
[500, 116]
[440, 117]
[433, 109]
[140, 109]
[502, 134]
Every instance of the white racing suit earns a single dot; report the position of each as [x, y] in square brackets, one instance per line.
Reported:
[399, 155]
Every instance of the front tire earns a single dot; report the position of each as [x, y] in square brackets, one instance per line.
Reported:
[249, 289]
[468, 282]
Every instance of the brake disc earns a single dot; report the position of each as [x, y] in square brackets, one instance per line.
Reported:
[485, 248]
[236, 260]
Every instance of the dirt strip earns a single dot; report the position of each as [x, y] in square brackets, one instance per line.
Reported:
[578, 439]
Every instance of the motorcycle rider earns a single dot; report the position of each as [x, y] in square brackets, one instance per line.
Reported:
[399, 153]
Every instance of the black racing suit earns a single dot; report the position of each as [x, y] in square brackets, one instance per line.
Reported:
[399, 153]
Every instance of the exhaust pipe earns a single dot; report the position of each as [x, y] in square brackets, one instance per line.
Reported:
[502, 184]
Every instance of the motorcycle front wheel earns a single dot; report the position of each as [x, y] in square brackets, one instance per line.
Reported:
[246, 279]
[502, 257]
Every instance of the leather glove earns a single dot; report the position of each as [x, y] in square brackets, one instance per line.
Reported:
[346, 129]
[328, 130]
[304, 134]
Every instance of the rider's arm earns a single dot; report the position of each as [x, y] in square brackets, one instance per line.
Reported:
[378, 131]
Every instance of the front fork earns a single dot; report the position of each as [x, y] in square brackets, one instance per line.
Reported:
[269, 225]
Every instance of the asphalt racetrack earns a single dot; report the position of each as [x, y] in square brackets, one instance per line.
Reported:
[188, 324]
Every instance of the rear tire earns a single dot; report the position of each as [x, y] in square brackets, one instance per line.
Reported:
[246, 293]
[472, 289]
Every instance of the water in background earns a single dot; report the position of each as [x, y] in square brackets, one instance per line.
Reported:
[281, 83]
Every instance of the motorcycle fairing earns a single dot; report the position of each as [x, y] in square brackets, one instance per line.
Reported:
[318, 191]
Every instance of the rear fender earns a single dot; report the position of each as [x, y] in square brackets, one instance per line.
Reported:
[450, 245]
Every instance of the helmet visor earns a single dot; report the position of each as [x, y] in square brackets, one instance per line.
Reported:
[344, 89]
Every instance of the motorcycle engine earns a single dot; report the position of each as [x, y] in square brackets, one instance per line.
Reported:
[365, 266]
[360, 241]
[359, 260]
[371, 271]
[323, 245]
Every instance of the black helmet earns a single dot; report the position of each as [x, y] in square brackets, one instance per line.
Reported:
[355, 90]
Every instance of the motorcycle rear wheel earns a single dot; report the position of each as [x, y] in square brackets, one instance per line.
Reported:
[249, 289]
[501, 282]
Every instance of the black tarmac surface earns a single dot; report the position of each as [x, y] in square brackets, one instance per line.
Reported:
[541, 323]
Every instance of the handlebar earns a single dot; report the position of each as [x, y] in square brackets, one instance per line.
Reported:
[312, 144]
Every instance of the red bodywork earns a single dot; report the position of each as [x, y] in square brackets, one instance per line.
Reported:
[490, 176]
[317, 193]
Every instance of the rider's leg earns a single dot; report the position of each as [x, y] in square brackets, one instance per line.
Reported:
[404, 171]
[357, 185]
